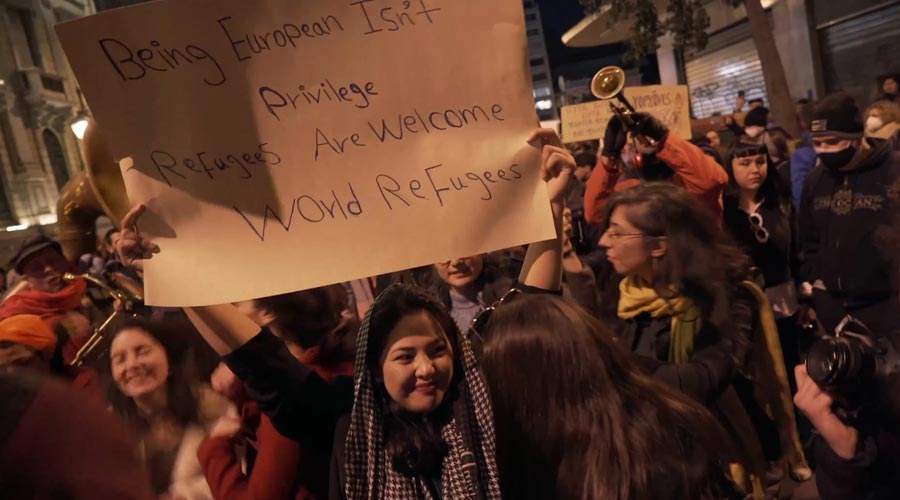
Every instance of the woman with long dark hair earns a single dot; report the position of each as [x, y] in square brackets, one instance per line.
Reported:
[421, 425]
[684, 311]
[584, 421]
[156, 392]
[761, 218]
[691, 315]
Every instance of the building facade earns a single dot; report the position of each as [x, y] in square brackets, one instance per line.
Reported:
[825, 46]
[39, 99]
[542, 79]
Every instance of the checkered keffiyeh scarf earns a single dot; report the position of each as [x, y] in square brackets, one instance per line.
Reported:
[470, 468]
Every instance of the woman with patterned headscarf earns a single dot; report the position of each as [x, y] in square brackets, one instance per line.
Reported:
[421, 425]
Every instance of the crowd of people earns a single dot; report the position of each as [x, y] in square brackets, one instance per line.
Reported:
[698, 291]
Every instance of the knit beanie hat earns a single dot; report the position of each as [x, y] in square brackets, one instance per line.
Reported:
[837, 115]
[757, 117]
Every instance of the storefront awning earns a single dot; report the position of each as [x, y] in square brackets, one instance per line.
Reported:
[597, 29]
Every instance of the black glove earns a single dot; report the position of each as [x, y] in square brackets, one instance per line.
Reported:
[615, 138]
[647, 125]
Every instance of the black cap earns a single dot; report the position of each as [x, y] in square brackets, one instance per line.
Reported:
[31, 246]
[837, 115]
[757, 117]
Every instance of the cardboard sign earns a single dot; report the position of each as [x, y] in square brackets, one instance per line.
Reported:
[669, 103]
[281, 145]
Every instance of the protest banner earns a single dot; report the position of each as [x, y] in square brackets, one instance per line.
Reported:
[669, 103]
[281, 145]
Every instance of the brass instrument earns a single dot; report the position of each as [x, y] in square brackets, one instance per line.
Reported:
[126, 297]
[607, 85]
[98, 190]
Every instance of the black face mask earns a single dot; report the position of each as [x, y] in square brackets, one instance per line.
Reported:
[839, 158]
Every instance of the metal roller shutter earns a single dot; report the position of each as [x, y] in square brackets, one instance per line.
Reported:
[715, 77]
[856, 51]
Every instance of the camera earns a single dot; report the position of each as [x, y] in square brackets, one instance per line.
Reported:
[852, 365]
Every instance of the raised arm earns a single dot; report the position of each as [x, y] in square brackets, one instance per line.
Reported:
[299, 402]
[543, 261]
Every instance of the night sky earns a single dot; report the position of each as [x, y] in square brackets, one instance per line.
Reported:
[558, 16]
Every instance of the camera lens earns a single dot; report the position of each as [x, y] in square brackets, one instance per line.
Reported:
[840, 364]
[826, 362]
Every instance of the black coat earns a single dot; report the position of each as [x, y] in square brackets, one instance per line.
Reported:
[716, 356]
[873, 474]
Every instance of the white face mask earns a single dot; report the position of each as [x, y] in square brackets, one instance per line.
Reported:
[832, 148]
[873, 123]
[754, 131]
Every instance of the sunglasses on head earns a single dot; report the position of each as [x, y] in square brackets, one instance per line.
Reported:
[480, 323]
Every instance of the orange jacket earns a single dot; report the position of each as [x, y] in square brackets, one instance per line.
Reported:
[694, 171]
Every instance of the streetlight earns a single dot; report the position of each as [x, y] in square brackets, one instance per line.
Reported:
[80, 122]
[79, 125]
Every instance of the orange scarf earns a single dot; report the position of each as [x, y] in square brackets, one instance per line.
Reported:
[51, 307]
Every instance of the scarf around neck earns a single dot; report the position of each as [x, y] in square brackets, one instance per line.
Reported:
[637, 296]
[469, 471]
[51, 307]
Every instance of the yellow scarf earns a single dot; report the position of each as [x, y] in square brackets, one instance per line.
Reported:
[637, 296]
[772, 392]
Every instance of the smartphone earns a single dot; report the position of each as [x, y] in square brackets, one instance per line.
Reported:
[742, 93]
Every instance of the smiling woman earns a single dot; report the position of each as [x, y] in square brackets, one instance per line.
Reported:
[421, 425]
[154, 392]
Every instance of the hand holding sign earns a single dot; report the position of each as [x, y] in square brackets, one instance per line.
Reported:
[131, 247]
[283, 145]
[557, 163]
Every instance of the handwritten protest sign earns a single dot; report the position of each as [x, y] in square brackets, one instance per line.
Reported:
[281, 145]
[669, 103]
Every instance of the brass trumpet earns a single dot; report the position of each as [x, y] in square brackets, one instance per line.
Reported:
[127, 296]
[607, 85]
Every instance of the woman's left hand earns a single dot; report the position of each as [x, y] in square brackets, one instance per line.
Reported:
[557, 164]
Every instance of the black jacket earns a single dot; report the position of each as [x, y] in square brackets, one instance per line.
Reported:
[301, 405]
[870, 475]
[777, 258]
[842, 218]
[714, 361]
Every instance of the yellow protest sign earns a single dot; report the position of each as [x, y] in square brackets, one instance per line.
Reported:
[669, 103]
[281, 145]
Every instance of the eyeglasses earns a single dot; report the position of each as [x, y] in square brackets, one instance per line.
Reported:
[760, 232]
[614, 236]
[479, 324]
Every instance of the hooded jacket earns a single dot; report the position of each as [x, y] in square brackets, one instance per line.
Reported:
[844, 216]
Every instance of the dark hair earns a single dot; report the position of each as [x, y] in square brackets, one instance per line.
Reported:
[413, 442]
[701, 262]
[583, 421]
[756, 100]
[586, 159]
[314, 318]
[107, 237]
[772, 189]
[182, 402]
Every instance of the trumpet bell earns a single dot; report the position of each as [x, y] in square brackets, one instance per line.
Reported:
[608, 82]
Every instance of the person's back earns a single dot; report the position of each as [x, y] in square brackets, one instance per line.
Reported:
[584, 421]
[40, 458]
